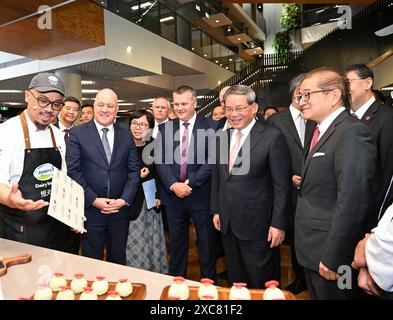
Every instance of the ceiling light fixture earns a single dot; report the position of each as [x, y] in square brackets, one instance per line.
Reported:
[89, 90]
[167, 19]
[87, 82]
[384, 31]
[143, 5]
[10, 91]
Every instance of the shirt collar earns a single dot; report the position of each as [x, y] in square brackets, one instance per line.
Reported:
[247, 129]
[294, 112]
[191, 121]
[100, 126]
[325, 124]
[363, 109]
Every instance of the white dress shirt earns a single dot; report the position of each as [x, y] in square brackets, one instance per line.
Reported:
[297, 117]
[379, 252]
[325, 124]
[245, 133]
[190, 128]
[363, 109]
[110, 135]
[155, 129]
[12, 147]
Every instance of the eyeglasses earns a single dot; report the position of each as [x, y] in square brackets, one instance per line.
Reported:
[237, 109]
[306, 95]
[139, 124]
[43, 102]
[352, 80]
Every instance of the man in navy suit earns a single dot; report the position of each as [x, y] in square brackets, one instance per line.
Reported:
[102, 158]
[182, 164]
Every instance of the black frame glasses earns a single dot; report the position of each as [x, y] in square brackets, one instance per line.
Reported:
[306, 95]
[44, 102]
[139, 124]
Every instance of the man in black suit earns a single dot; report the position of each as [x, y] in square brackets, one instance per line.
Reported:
[101, 156]
[181, 157]
[298, 133]
[379, 118]
[336, 189]
[251, 191]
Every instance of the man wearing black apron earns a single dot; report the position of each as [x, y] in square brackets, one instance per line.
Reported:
[29, 139]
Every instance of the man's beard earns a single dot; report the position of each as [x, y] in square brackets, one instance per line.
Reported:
[40, 126]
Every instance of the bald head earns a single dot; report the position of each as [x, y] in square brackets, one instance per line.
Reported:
[105, 107]
[221, 95]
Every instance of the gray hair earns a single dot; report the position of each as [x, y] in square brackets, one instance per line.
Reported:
[295, 83]
[240, 89]
[167, 101]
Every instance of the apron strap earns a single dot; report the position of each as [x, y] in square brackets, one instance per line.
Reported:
[26, 132]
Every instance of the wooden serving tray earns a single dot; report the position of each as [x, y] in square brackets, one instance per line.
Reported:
[138, 291]
[8, 262]
[223, 293]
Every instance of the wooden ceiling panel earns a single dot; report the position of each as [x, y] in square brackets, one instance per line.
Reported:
[76, 26]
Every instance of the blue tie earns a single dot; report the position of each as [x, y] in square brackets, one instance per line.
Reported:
[105, 143]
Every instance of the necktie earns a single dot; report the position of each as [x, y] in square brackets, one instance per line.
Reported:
[105, 144]
[315, 137]
[354, 114]
[184, 153]
[66, 135]
[302, 128]
[235, 150]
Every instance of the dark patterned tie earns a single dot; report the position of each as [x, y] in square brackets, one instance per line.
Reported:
[105, 143]
[184, 153]
[66, 135]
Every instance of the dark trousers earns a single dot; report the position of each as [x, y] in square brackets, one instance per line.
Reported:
[322, 289]
[178, 223]
[251, 261]
[106, 232]
[290, 240]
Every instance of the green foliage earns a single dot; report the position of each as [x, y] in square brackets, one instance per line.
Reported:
[290, 17]
[280, 44]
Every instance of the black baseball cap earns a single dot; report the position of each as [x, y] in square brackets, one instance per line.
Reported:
[47, 82]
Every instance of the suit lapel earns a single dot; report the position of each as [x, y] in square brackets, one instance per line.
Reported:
[290, 125]
[95, 137]
[252, 140]
[370, 113]
[323, 139]
[116, 141]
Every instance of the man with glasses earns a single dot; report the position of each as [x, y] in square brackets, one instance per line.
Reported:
[68, 115]
[161, 107]
[102, 158]
[251, 191]
[335, 193]
[29, 144]
[379, 118]
[298, 133]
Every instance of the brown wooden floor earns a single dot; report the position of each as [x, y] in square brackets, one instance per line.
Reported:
[287, 275]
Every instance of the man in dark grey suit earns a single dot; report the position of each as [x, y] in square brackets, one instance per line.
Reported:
[336, 189]
[379, 118]
[298, 133]
[101, 156]
[251, 191]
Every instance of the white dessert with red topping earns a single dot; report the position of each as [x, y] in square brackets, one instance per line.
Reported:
[124, 288]
[239, 291]
[100, 285]
[78, 283]
[113, 295]
[207, 290]
[65, 293]
[57, 281]
[43, 293]
[179, 288]
[272, 291]
[88, 294]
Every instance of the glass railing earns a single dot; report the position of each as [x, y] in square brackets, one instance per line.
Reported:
[162, 20]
